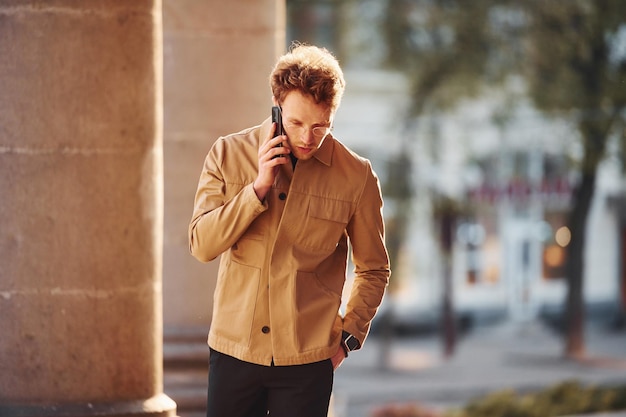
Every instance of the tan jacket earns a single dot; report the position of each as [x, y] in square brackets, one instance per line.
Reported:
[284, 261]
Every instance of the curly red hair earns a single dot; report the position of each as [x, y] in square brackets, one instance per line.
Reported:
[311, 70]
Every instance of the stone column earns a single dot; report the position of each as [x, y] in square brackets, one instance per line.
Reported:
[81, 208]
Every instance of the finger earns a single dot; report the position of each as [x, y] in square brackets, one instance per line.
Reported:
[279, 155]
[277, 140]
[279, 148]
[265, 151]
[271, 143]
[273, 156]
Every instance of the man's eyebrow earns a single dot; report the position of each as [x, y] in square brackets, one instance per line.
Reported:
[293, 120]
[318, 124]
[326, 123]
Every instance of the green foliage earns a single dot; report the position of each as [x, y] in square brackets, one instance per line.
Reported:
[567, 398]
[571, 59]
[570, 54]
[404, 410]
[444, 45]
[398, 182]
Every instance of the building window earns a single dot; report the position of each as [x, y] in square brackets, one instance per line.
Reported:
[554, 250]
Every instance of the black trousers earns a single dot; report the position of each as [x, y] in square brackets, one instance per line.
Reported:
[242, 389]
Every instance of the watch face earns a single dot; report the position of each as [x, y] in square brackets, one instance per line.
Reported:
[352, 343]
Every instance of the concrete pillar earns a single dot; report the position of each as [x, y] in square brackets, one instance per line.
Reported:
[217, 59]
[81, 209]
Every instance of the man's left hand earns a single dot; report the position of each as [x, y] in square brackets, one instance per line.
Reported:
[338, 358]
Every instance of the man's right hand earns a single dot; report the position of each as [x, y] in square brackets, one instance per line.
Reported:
[269, 163]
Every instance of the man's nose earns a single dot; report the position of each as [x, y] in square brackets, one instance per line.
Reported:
[307, 136]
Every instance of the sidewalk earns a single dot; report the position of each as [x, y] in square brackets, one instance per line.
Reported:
[521, 356]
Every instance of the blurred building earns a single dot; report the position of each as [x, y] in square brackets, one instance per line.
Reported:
[515, 184]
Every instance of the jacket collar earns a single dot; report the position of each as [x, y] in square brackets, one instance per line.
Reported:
[324, 154]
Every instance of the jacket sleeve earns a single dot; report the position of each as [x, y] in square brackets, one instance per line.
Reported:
[222, 210]
[367, 236]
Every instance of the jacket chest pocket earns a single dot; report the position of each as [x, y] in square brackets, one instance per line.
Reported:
[325, 223]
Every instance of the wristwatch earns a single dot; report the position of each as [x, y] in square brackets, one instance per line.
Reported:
[349, 342]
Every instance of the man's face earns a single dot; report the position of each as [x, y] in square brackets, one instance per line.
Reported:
[306, 124]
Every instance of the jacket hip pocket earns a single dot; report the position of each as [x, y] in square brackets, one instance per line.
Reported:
[317, 312]
[235, 302]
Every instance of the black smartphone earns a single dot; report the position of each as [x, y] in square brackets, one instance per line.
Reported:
[277, 118]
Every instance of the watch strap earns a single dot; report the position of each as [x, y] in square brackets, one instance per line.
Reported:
[349, 342]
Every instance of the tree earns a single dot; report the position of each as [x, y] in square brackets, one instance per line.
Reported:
[573, 58]
[398, 192]
[575, 66]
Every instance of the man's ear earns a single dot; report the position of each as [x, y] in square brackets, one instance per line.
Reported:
[274, 101]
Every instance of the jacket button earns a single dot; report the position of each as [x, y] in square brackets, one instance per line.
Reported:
[282, 196]
[265, 329]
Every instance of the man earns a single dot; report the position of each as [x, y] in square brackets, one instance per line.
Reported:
[281, 211]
